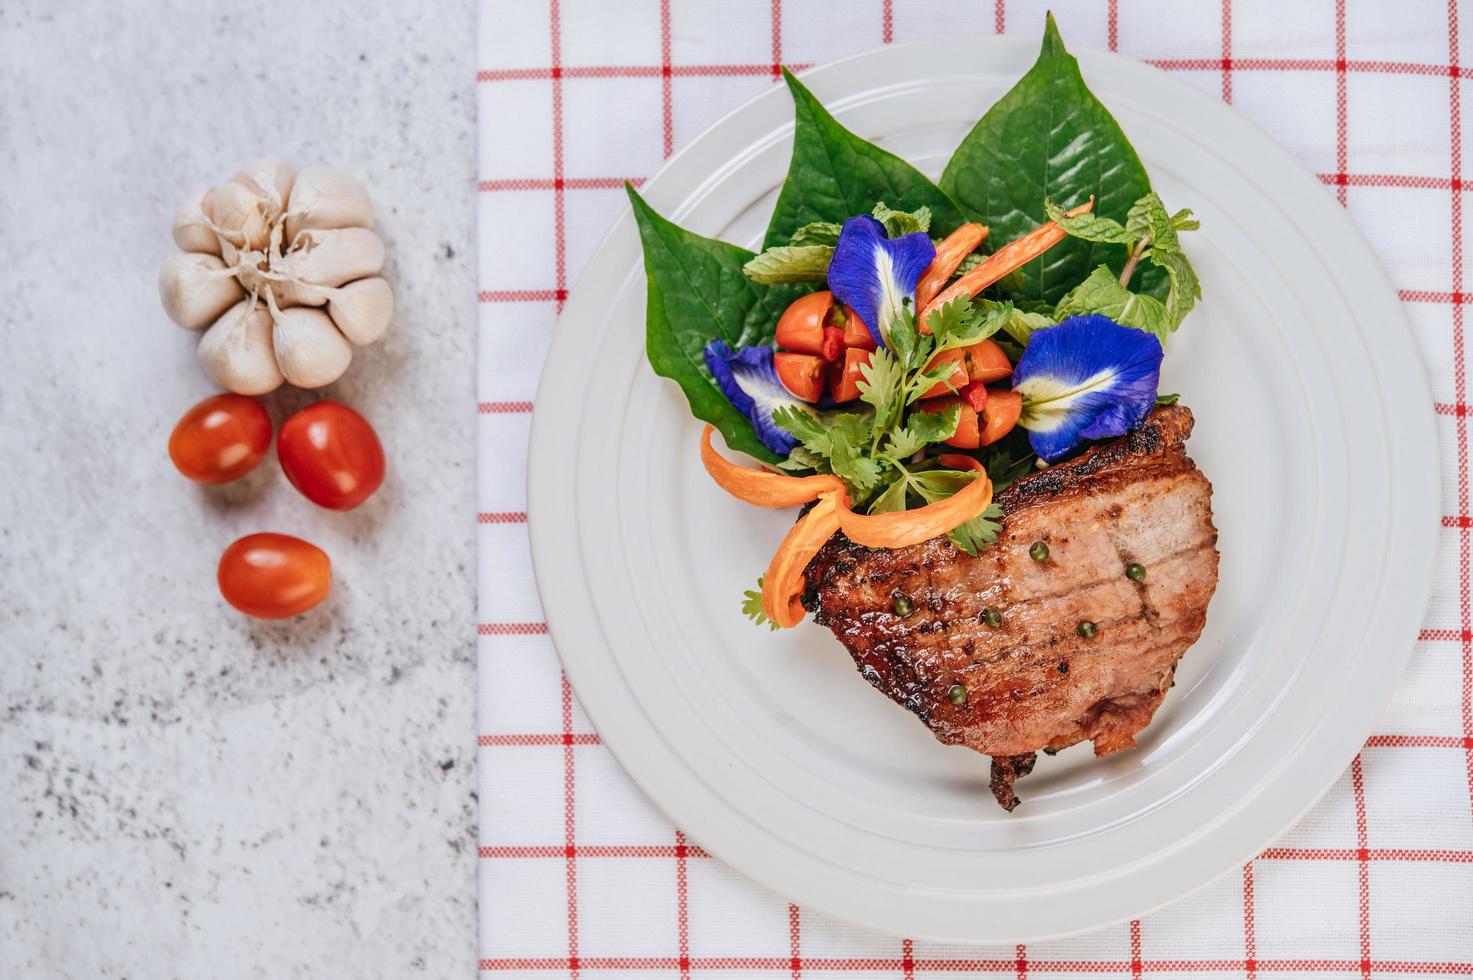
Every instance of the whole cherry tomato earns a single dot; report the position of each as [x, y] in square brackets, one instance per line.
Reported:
[331, 454]
[273, 576]
[221, 439]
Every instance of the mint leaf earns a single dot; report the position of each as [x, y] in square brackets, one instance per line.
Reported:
[790, 264]
[1170, 399]
[899, 223]
[1185, 289]
[696, 292]
[835, 174]
[817, 233]
[1049, 138]
[1020, 323]
[1090, 227]
[1102, 293]
[1148, 217]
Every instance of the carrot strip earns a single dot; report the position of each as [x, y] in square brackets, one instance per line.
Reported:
[760, 487]
[961, 461]
[949, 254]
[900, 529]
[782, 586]
[1013, 255]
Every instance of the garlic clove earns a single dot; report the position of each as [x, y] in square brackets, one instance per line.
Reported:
[333, 256]
[237, 352]
[294, 292]
[192, 231]
[241, 212]
[272, 176]
[196, 288]
[309, 349]
[327, 197]
[362, 309]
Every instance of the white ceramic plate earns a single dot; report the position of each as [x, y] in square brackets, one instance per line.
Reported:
[1314, 424]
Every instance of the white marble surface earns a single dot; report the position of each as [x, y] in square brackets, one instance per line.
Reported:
[188, 793]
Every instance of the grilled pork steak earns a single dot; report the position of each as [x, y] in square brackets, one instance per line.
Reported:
[1034, 682]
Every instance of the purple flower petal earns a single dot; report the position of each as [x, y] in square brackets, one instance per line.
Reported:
[1087, 378]
[749, 381]
[875, 276]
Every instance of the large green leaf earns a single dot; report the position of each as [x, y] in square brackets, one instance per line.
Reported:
[1050, 138]
[697, 292]
[835, 175]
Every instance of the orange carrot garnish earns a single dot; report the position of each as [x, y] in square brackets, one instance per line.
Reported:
[1013, 255]
[902, 528]
[949, 254]
[761, 487]
[782, 586]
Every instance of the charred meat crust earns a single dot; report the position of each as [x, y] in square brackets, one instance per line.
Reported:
[1033, 682]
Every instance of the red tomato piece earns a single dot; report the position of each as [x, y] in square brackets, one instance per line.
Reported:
[1000, 414]
[331, 454]
[800, 329]
[986, 362]
[968, 434]
[844, 384]
[856, 334]
[976, 395]
[221, 439]
[833, 343]
[802, 374]
[957, 358]
[274, 576]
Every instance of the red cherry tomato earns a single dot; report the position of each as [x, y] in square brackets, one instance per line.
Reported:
[844, 384]
[800, 328]
[802, 374]
[331, 454]
[976, 395]
[1000, 414]
[856, 334]
[273, 576]
[221, 439]
[986, 362]
[968, 435]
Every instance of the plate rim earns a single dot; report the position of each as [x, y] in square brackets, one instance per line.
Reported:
[549, 535]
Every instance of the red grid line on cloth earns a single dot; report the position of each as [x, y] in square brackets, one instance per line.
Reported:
[502, 517]
[1358, 787]
[631, 71]
[512, 629]
[525, 740]
[907, 959]
[1022, 958]
[1227, 52]
[1420, 742]
[1342, 151]
[1310, 64]
[887, 22]
[667, 94]
[1112, 25]
[1359, 854]
[524, 296]
[1135, 948]
[552, 183]
[679, 851]
[682, 900]
[503, 408]
[1250, 932]
[1455, 162]
[1135, 968]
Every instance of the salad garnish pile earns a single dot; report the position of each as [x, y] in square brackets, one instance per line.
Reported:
[890, 370]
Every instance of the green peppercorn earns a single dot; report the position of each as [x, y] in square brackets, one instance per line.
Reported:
[992, 618]
[1135, 572]
[957, 694]
[1085, 629]
[903, 606]
[1038, 551]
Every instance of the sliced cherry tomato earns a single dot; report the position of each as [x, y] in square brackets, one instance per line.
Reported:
[844, 383]
[833, 343]
[856, 334]
[273, 576]
[802, 374]
[221, 439]
[331, 454]
[967, 435]
[958, 380]
[1000, 414]
[800, 329]
[987, 363]
[975, 395]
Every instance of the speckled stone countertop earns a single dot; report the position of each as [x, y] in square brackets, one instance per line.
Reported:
[189, 793]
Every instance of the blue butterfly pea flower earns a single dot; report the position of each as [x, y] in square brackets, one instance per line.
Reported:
[1087, 378]
[749, 381]
[875, 275]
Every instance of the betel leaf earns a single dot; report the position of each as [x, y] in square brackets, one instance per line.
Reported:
[835, 175]
[1049, 138]
[696, 293]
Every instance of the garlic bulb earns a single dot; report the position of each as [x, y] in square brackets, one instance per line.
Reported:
[236, 352]
[326, 197]
[285, 266]
[196, 288]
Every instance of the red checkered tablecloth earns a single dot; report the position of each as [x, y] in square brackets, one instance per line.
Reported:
[580, 875]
